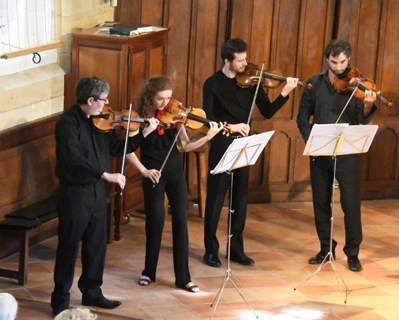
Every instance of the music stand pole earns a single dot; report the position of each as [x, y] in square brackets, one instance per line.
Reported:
[227, 274]
[329, 258]
[240, 153]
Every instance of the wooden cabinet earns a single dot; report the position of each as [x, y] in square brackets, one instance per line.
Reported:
[125, 63]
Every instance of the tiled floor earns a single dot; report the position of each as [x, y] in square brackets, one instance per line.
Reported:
[279, 237]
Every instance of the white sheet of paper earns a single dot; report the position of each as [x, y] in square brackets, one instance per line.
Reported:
[253, 147]
[324, 138]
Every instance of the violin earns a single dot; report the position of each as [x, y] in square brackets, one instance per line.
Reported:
[353, 79]
[271, 78]
[193, 118]
[109, 119]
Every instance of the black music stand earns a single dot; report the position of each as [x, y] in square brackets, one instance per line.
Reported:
[241, 153]
[337, 140]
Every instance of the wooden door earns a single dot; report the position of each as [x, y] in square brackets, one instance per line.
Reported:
[138, 71]
[103, 63]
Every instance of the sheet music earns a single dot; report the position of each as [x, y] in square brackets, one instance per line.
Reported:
[243, 152]
[324, 139]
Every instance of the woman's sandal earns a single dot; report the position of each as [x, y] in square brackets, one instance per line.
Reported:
[144, 281]
[191, 287]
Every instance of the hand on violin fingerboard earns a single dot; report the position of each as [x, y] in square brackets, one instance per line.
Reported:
[241, 128]
[152, 124]
[291, 84]
[214, 129]
[370, 97]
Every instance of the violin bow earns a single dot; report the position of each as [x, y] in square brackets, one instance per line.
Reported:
[344, 108]
[256, 94]
[170, 149]
[125, 147]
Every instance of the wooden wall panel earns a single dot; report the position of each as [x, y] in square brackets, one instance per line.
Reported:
[314, 34]
[284, 48]
[204, 33]
[128, 11]
[223, 30]
[279, 158]
[156, 60]
[260, 40]
[359, 25]
[113, 60]
[289, 35]
[388, 57]
[241, 21]
[385, 169]
[152, 12]
[137, 72]
[371, 26]
[301, 170]
[16, 189]
[178, 56]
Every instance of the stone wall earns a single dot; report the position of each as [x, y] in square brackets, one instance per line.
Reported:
[36, 93]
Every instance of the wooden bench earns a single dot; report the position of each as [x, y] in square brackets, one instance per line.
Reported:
[27, 204]
[24, 224]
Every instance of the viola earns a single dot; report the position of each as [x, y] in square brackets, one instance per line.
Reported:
[352, 79]
[271, 78]
[110, 119]
[193, 118]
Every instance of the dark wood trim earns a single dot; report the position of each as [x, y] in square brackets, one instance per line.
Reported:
[28, 132]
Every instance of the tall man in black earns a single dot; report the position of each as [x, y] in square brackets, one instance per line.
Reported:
[225, 101]
[325, 104]
[82, 166]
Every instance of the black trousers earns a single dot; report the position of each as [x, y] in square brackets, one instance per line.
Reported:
[82, 212]
[174, 185]
[217, 187]
[348, 175]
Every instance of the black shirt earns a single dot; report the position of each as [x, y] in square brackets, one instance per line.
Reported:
[83, 152]
[325, 104]
[155, 148]
[225, 100]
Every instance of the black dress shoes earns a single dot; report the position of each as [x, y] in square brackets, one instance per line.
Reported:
[354, 264]
[318, 258]
[242, 258]
[100, 302]
[212, 260]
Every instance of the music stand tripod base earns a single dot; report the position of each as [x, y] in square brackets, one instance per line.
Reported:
[329, 258]
[228, 273]
[337, 140]
[241, 153]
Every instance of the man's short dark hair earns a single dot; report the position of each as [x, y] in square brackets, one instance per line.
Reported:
[336, 47]
[232, 46]
[90, 87]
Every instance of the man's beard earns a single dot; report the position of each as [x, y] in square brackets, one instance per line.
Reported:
[240, 70]
[341, 74]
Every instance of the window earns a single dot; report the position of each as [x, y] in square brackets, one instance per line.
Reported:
[29, 26]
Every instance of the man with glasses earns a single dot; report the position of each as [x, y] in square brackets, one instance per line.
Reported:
[82, 166]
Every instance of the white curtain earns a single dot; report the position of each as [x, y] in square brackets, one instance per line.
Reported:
[29, 26]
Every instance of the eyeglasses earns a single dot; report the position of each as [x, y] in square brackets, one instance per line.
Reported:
[105, 100]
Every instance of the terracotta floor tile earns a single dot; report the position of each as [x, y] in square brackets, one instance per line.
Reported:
[280, 266]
